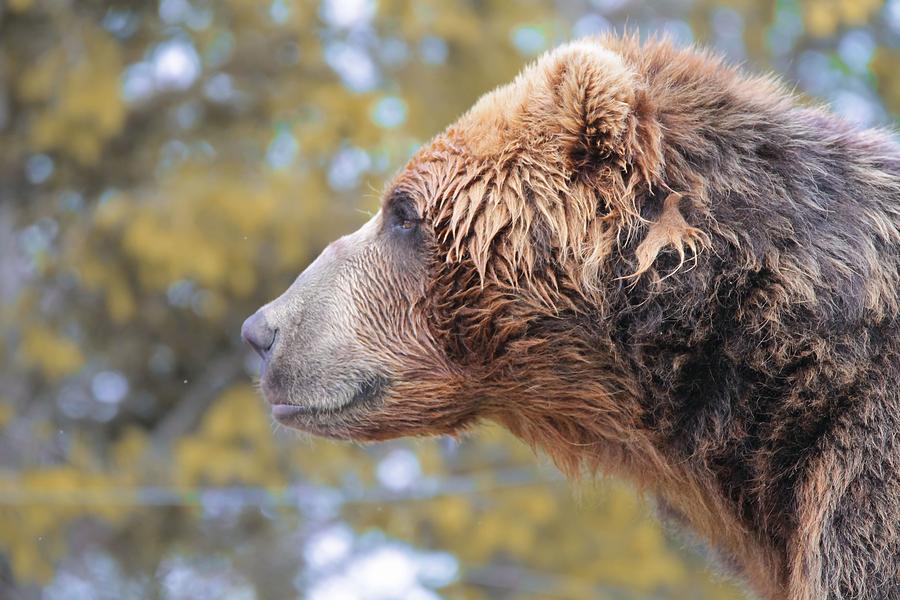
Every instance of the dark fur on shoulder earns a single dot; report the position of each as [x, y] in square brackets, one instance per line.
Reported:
[772, 367]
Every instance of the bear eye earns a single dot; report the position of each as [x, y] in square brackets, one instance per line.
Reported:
[403, 215]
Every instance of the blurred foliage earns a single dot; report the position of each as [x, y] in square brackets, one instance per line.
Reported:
[165, 168]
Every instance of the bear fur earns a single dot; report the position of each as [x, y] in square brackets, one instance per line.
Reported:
[650, 264]
[761, 374]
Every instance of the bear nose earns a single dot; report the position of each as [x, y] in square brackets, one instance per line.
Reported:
[257, 332]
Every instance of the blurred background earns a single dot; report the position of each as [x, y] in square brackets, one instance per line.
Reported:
[165, 168]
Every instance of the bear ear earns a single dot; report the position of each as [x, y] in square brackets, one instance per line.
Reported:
[588, 106]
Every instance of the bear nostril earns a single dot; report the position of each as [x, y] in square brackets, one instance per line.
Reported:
[257, 332]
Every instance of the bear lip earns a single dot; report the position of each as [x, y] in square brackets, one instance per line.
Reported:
[368, 391]
[280, 411]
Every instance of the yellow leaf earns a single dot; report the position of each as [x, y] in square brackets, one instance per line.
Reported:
[54, 355]
[821, 19]
[19, 6]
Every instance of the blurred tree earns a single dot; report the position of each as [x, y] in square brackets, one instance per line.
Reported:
[167, 167]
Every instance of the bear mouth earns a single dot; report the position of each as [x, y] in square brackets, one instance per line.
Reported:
[317, 419]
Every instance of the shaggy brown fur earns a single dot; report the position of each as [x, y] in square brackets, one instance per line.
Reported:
[647, 263]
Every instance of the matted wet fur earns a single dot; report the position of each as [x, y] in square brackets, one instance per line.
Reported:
[645, 263]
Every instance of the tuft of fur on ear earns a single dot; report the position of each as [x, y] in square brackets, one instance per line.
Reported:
[588, 105]
[601, 122]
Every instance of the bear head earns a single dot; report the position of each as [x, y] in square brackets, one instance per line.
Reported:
[474, 291]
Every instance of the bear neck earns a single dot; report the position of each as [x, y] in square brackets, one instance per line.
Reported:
[593, 421]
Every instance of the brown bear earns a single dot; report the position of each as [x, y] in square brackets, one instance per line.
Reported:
[647, 263]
